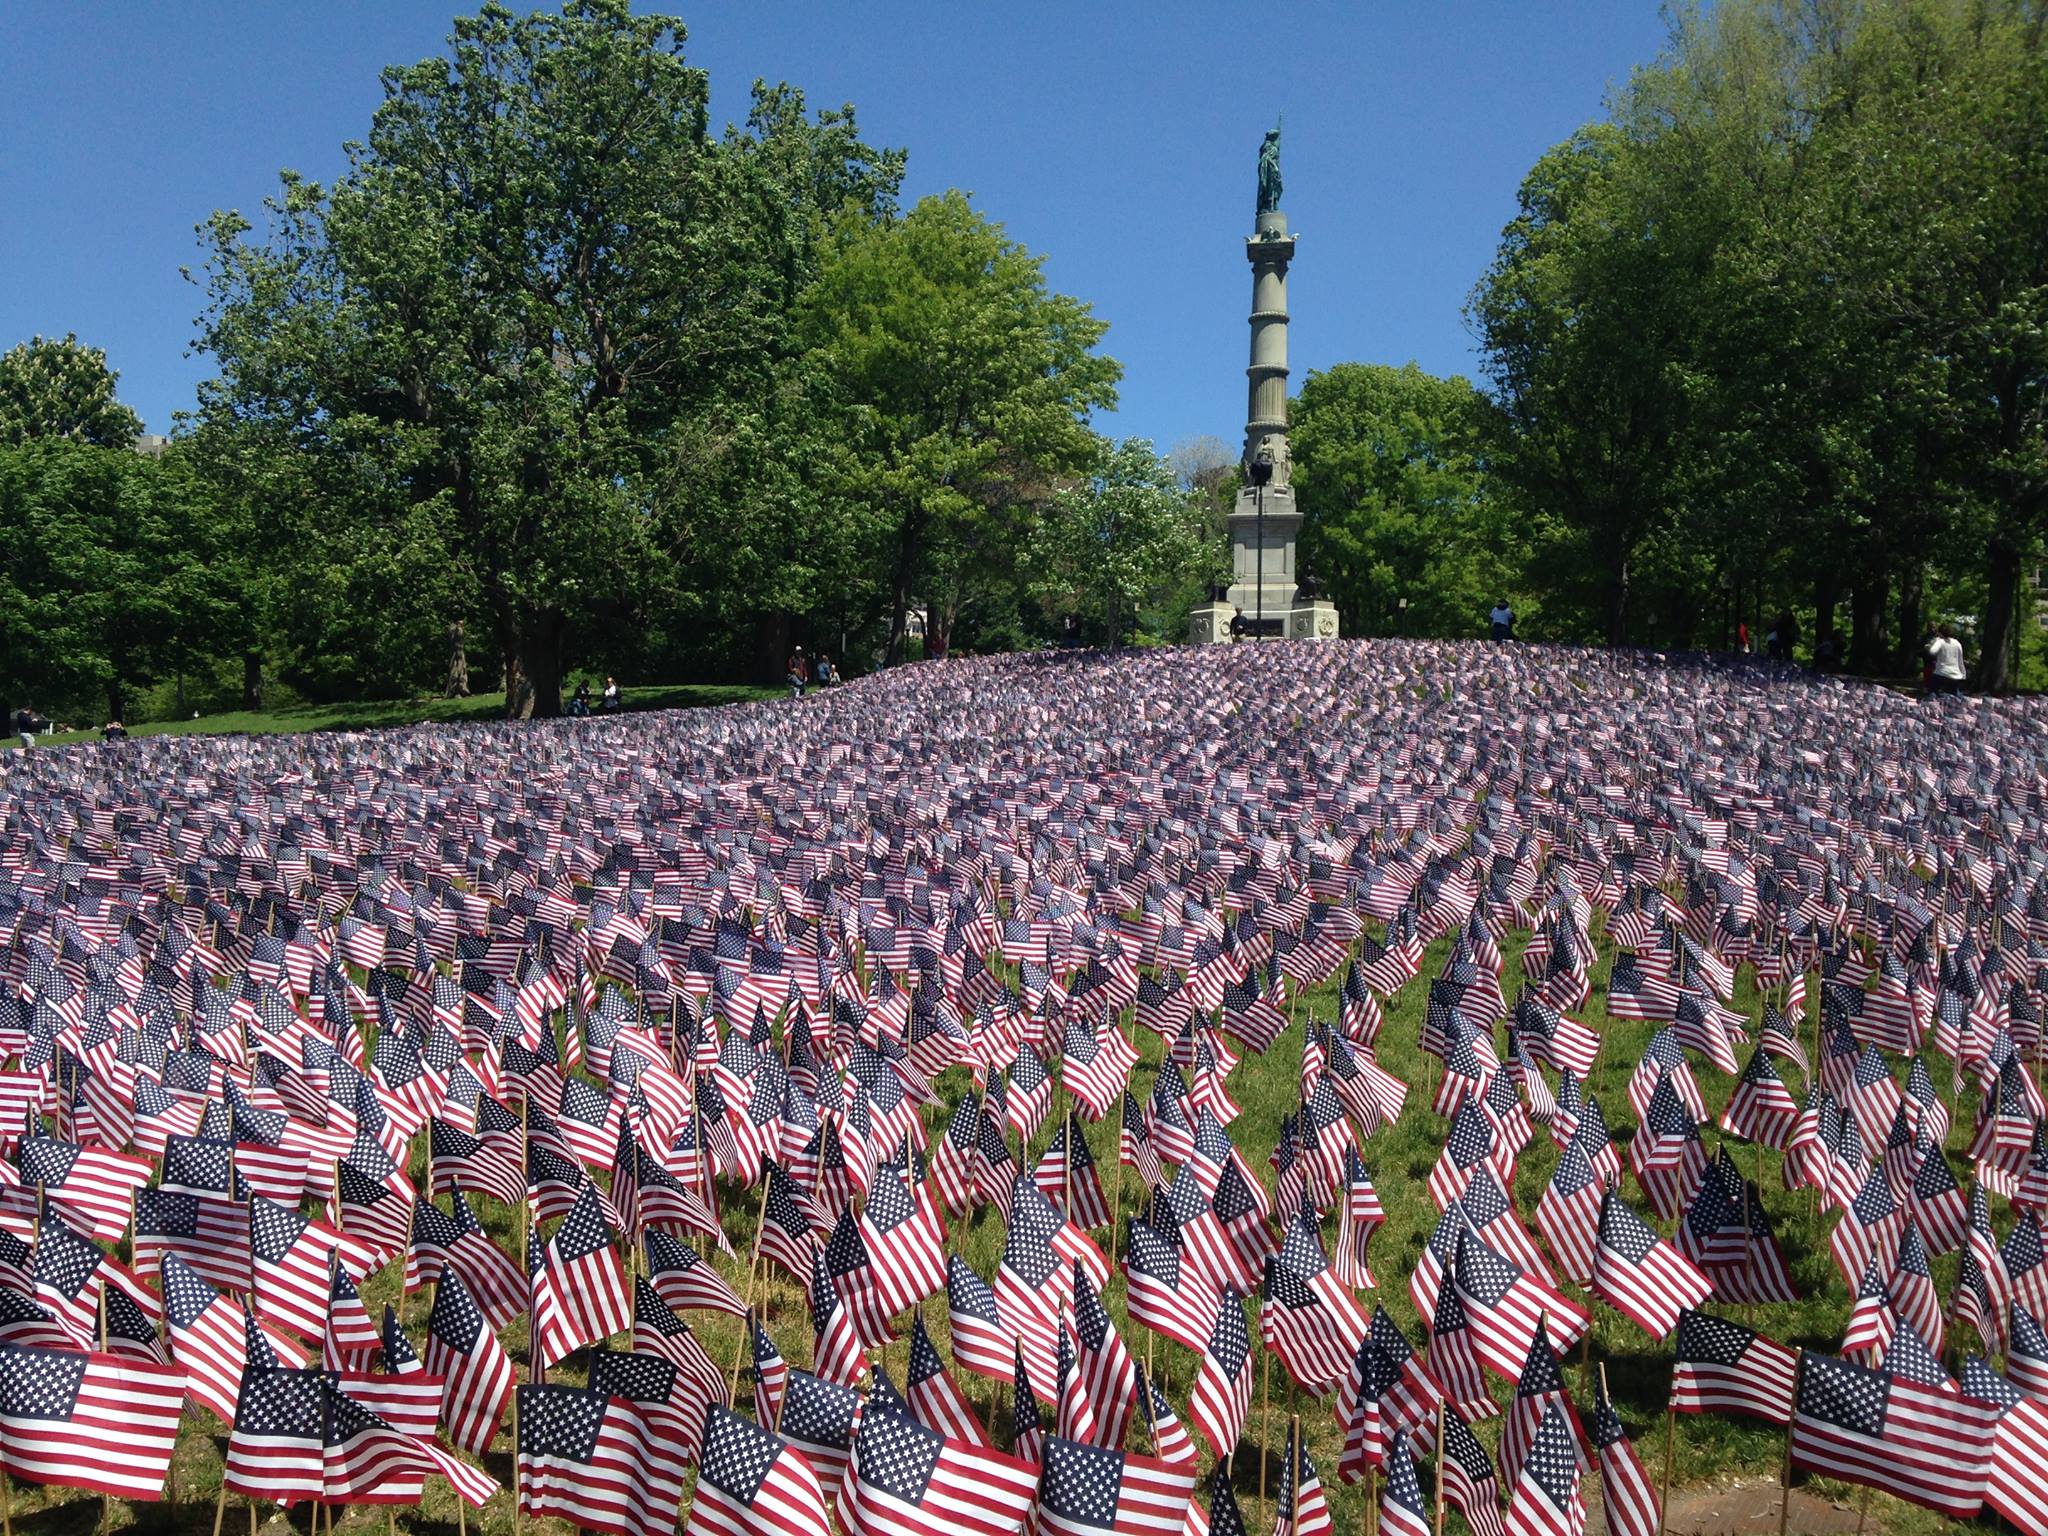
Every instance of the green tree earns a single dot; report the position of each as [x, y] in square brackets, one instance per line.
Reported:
[541, 314]
[964, 387]
[108, 572]
[61, 389]
[1104, 546]
[1390, 478]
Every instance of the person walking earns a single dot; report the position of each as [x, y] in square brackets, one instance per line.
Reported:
[1945, 651]
[26, 724]
[1503, 620]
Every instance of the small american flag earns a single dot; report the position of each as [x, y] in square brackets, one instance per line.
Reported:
[753, 1483]
[1089, 1491]
[1925, 1444]
[1222, 1395]
[910, 1480]
[466, 1353]
[1723, 1367]
[1640, 1275]
[595, 1461]
[1546, 1499]
[1633, 1508]
[89, 1421]
[580, 1294]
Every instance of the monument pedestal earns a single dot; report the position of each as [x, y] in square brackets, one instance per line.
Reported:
[1312, 620]
[1209, 623]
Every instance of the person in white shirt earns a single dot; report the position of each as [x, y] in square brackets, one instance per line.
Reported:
[1503, 619]
[1946, 652]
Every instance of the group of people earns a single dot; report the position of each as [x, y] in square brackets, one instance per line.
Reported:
[801, 671]
[608, 703]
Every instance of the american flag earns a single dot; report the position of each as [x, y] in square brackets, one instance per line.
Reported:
[292, 1259]
[1540, 1386]
[595, 1461]
[685, 1280]
[369, 1461]
[350, 1341]
[1314, 1345]
[1108, 1372]
[68, 1272]
[1505, 1307]
[579, 1293]
[1870, 1226]
[1096, 1065]
[1911, 1287]
[933, 1395]
[477, 1373]
[2026, 1360]
[1568, 1215]
[819, 1418]
[1301, 1508]
[1073, 1413]
[1027, 1420]
[1467, 1478]
[209, 1234]
[1222, 1395]
[905, 1238]
[2017, 1487]
[1546, 1500]
[1066, 1176]
[1402, 1512]
[89, 1421]
[769, 1371]
[277, 1450]
[91, 1182]
[1640, 1275]
[1088, 1491]
[910, 1480]
[788, 1224]
[208, 1338]
[981, 1342]
[1761, 1109]
[1723, 1367]
[1632, 1505]
[440, 1239]
[1925, 1444]
[836, 1350]
[859, 1281]
[752, 1482]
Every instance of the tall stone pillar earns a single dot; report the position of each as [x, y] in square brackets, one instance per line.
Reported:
[1263, 596]
[1264, 522]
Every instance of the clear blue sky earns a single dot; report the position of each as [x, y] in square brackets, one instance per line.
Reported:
[1118, 139]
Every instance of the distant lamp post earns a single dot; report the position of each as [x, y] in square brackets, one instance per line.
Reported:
[1260, 468]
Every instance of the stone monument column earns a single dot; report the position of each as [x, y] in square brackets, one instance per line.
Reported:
[1265, 521]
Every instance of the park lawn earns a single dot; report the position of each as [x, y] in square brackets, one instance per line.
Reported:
[1708, 1450]
[378, 713]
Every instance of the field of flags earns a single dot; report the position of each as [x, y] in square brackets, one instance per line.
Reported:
[1380, 1086]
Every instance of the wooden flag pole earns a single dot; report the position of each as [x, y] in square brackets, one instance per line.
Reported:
[753, 1269]
[1785, 1471]
[1265, 1425]
[1442, 1408]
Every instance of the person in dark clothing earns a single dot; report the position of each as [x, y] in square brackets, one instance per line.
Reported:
[579, 706]
[114, 731]
[26, 724]
[798, 673]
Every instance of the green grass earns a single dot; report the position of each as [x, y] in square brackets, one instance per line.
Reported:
[1709, 1450]
[373, 714]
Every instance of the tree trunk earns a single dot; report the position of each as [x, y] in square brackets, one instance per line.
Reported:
[540, 662]
[1911, 589]
[1827, 592]
[899, 588]
[117, 699]
[1866, 623]
[2001, 615]
[252, 680]
[771, 646]
[1617, 600]
[458, 662]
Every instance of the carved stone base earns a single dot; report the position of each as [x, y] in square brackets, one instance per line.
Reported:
[1209, 624]
[1312, 621]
